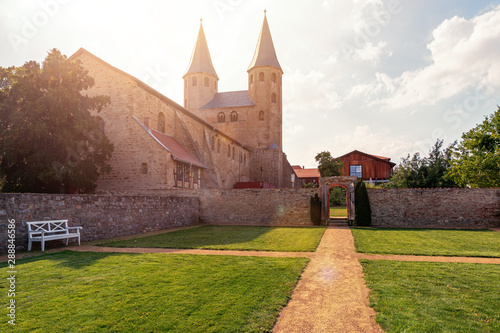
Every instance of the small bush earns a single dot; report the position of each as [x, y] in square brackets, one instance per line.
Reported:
[316, 210]
[363, 211]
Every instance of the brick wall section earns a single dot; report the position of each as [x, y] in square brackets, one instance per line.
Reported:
[435, 208]
[101, 216]
[273, 207]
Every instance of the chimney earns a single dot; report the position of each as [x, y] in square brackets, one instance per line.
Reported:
[147, 122]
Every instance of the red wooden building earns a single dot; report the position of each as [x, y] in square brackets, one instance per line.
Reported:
[366, 166]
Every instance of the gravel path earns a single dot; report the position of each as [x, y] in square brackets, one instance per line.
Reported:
[331, 295]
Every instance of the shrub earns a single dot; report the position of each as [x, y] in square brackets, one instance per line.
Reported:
[316, 210]
[363, 211]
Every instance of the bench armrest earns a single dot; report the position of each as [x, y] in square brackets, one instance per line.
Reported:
[75, 227]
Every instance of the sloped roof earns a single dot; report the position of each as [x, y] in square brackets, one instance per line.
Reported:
[307, 173]
[229, 99]
[201, 62]
[377, 158]
[265, 55]
[179, 153]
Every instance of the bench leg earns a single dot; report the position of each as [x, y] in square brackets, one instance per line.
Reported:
[43, 245]
[67, 239]
[29, 245]
[78, 240]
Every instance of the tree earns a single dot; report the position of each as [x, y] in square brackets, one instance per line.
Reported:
[329, 166]
[49, 141]
[475, 160]
[427, 172]
[362, 209]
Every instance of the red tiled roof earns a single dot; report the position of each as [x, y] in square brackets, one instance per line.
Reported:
[176, 149]
[307, 173]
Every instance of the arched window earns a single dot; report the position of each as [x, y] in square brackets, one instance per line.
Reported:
[195, 81]
[234, 116]
[212, 143]
[161, 123]
[101, 124]
[261, 76]
[233, 152]
[218, 146]
[228, 150]
[207, 83]
[261, 115]
[273, 98]
[221, 117]
[251, 79]
[273, 77]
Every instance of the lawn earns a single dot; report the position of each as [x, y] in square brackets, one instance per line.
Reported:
[338, 211]
[434, 297]
[231, 238]
[104, 292]
[432, 242]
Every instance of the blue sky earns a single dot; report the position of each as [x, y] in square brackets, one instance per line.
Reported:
[383, 77]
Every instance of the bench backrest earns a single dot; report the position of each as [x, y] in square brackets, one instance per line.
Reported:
[48, 226]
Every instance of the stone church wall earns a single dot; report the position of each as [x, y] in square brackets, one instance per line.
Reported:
[435, 208]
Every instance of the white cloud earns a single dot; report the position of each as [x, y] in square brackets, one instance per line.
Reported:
[464, 55]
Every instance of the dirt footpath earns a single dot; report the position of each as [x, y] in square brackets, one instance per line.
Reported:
[331, 295]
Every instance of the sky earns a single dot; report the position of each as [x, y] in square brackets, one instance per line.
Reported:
[387, 78]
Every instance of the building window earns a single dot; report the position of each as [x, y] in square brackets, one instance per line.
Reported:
[234, 116]
[244, 159]
[161, 123]
[221, 117]
[195, 81]
[144, 168]
[273, 98]
[356, 170]
[261, 115]
[207, 83]
[233, 152]
[212, 142]
[261, 76]
[228, 150]
[251, 79]
[273, 77]
[218, 146]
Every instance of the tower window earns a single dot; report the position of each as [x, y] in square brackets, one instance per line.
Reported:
[273, 98]
[261, 115]
[161, 123]
[273, 77]
[207, 83]
[144, 168]
[233, 152]
[261, 76]
[228, 150]
[251, 79]
[195, 81]
[218, 146]
[212, 142]
[234, 116]
[221, 117]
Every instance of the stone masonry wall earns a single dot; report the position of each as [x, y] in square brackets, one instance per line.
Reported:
[435, 208]
[101, 216]
[273, 207]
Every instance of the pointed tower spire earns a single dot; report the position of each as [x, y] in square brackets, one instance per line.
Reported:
[201, 62]
[265, 55]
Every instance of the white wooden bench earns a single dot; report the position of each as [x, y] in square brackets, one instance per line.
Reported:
[42, 231]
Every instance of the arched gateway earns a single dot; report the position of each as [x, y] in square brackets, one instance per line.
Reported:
[347, 182]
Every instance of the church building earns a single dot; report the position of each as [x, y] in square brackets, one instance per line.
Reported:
[214, 141]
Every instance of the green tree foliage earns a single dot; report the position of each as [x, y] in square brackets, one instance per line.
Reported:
[362, 209]
[338, 196]
[315, 209]
[426, 172]
[328, 166]
[49, 141]
[475, 160]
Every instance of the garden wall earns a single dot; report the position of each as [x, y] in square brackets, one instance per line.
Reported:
[273, 207]
[101, 216]
[435, 208]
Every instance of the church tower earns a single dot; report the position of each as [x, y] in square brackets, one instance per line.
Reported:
[265, 89]
[200, 80]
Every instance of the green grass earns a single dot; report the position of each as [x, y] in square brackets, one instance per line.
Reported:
[104, 292]
[338, 211]
[431, 242]
[231, 238]
[434, 297]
